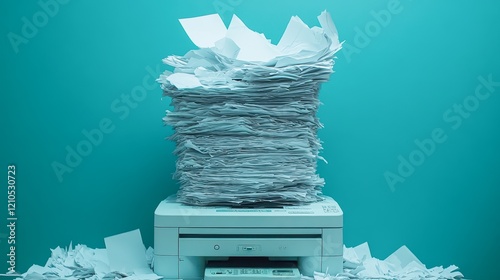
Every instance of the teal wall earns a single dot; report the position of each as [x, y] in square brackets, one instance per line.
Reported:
[90, 65]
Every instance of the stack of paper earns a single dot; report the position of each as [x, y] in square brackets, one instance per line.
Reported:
[245, 112]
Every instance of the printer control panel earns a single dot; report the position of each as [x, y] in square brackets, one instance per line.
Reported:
[249, 248]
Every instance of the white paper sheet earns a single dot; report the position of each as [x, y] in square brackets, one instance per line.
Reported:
[402, 258]
[204, 31]
[227, 48]
[126, 252]
[183, 80]
[328, 26]
[253, 46]
[298, 37]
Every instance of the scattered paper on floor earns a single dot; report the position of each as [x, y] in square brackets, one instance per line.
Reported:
[82, 262]
[125, 252]
[400, 265]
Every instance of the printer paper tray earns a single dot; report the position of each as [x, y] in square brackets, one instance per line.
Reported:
[271, 247]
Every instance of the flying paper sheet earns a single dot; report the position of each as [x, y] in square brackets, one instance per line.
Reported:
[245, 112]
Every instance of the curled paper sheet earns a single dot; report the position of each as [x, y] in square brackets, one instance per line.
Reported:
[245, 112]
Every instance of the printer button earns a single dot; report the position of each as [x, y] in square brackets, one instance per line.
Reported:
[216, 247]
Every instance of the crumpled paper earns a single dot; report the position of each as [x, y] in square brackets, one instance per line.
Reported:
[82, 262]
[400, 265]
[92, 264]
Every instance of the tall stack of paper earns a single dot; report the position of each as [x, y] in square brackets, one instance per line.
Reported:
[245, 112]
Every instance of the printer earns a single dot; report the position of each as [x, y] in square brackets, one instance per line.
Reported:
[221, 242]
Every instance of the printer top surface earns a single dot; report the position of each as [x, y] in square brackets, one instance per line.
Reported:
[326, 213]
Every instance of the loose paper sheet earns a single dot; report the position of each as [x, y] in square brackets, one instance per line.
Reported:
[126, 252]
[204, 31]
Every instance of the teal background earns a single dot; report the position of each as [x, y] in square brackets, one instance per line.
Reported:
[381, 98]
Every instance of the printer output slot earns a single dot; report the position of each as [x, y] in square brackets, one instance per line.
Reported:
[249, 246]
[251, 268]
[280, 236]
[252, 262]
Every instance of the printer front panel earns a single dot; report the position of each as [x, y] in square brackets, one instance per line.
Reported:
[248, 247]
[333, 243]
[166, 252]
[167, 266]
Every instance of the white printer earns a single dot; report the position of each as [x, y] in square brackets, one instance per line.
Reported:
[193, 242]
